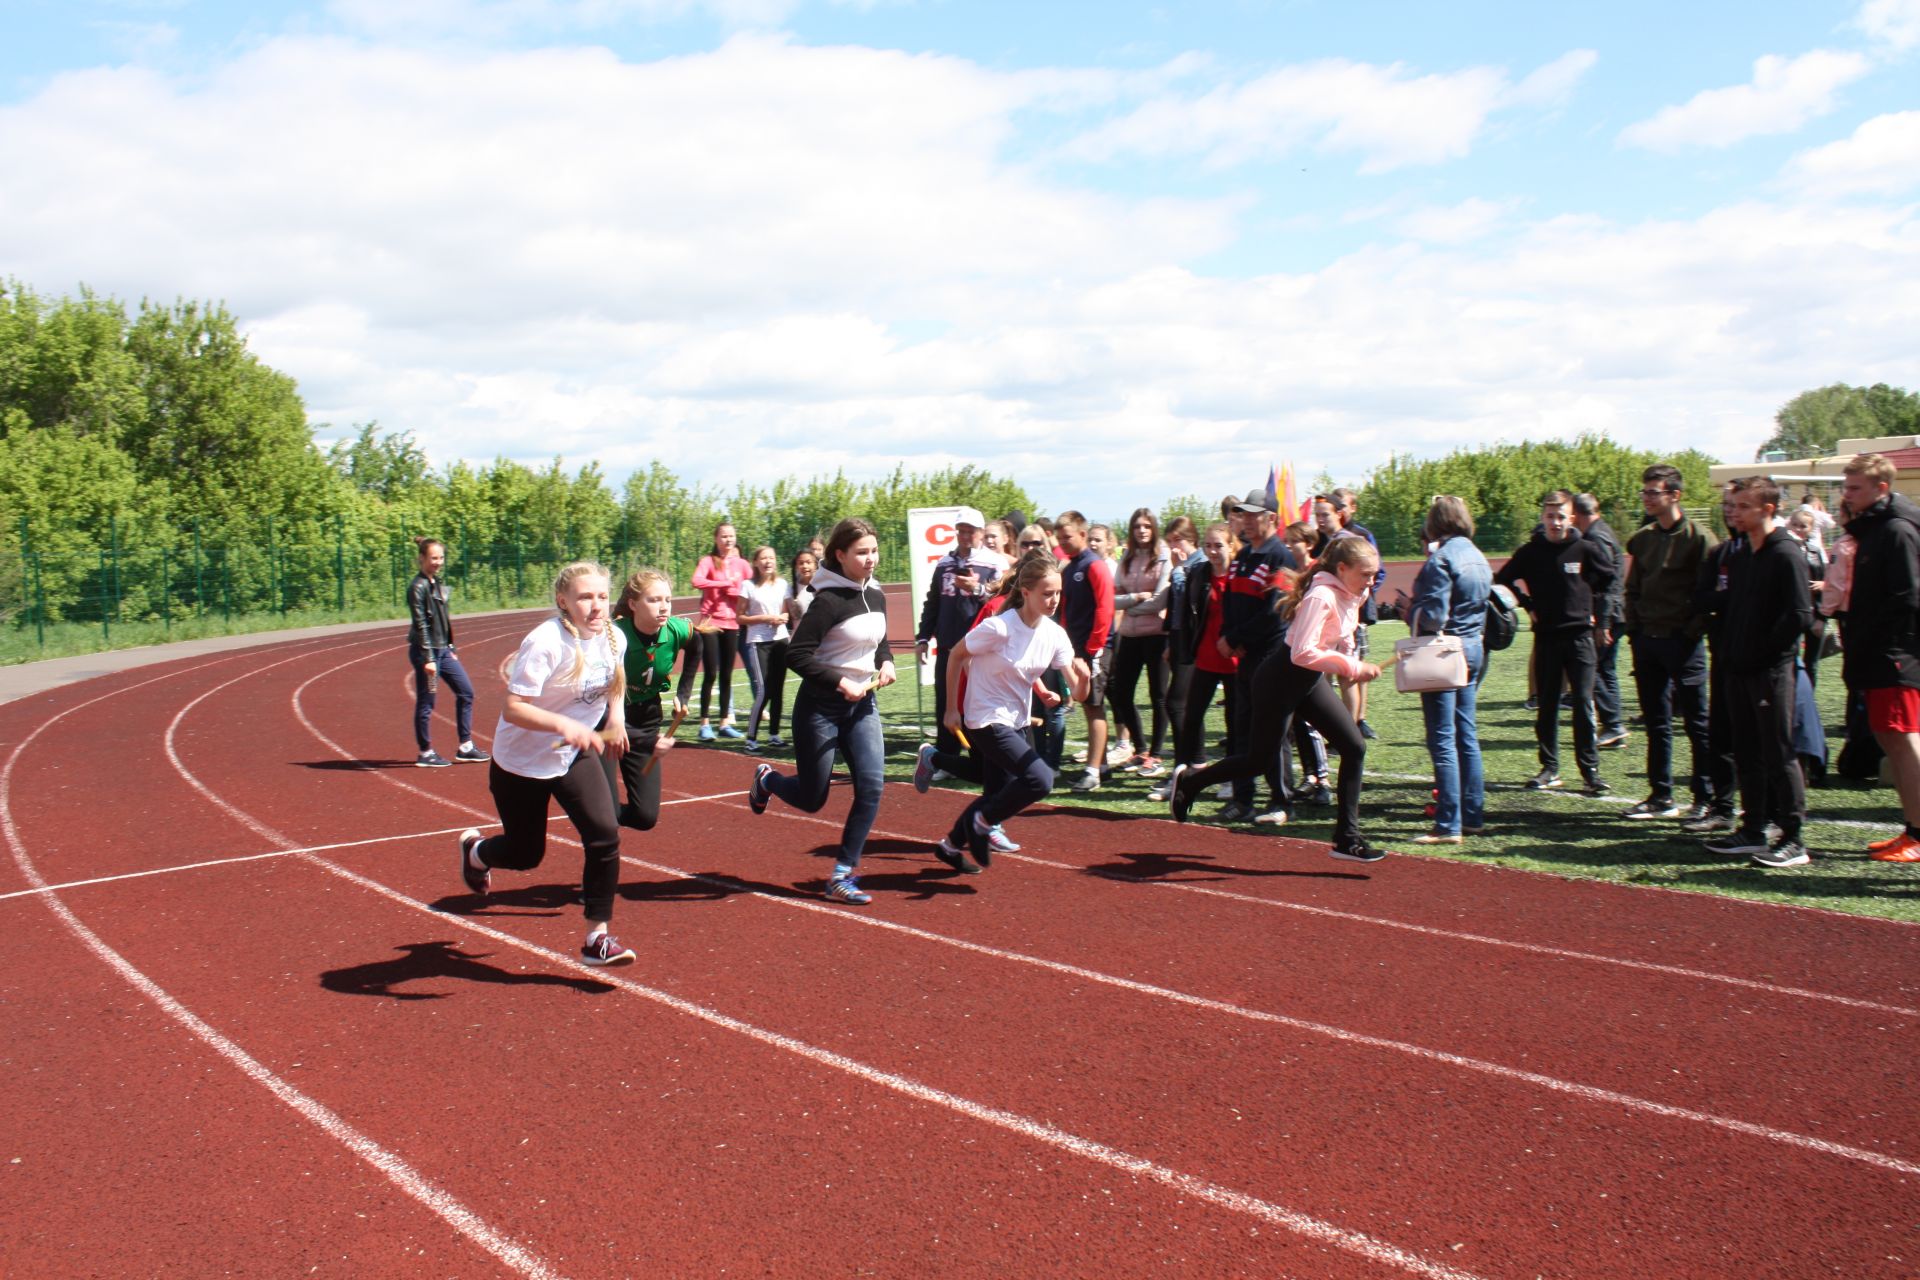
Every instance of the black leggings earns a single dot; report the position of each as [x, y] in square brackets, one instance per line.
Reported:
[1189, 739]
[716, 649]
[585, 793]
[1280, 692]
[641, 809]
[1138, 653]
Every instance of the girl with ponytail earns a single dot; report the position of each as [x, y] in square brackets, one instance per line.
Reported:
[557, 741]
[654, 638]
[1321, 610]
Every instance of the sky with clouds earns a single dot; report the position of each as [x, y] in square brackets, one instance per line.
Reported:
[1117, 251]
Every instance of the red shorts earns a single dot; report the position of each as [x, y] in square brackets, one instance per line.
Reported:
[1893, 710]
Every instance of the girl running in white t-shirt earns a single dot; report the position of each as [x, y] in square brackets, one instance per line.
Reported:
[997, 663]
[549, 746]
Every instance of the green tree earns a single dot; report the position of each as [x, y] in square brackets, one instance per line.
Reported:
[1813, 423]
[388, 466]
[65, 364]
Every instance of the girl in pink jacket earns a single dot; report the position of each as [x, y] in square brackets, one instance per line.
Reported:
[722, 579]
[1321, 612]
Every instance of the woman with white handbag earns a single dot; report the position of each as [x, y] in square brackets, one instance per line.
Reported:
[1322, 610]
[1447, 615]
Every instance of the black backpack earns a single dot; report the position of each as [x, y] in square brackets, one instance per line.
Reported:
[1503, 618]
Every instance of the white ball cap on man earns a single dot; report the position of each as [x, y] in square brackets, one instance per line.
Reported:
[970, 516]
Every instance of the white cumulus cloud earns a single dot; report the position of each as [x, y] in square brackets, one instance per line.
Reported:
[1784, 94]
[1894, 23]
[1882, 156]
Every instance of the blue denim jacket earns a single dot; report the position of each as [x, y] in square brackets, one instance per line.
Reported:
[1450, 593]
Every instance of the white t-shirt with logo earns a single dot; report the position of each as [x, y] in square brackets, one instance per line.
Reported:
[1008, 656]
[545, 658]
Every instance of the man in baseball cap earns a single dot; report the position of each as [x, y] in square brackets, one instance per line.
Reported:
[960, 581]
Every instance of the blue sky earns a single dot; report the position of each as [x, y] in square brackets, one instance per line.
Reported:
[751, 237]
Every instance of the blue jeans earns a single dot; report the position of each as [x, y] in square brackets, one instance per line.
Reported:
[448, 668]
[822, 728]
[1453, 741]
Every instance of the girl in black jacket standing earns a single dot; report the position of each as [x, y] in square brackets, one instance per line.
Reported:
[430, 649]
[840, 653]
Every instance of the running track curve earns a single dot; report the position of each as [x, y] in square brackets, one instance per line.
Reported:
[255, 1025]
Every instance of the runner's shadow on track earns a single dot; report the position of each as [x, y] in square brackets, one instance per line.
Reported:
[354, 766]
[527, 900]
[921, 884]
[1156, 866]
[424, 961]
[710, 887]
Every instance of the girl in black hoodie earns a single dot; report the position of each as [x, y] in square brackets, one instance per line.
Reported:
[840, 653]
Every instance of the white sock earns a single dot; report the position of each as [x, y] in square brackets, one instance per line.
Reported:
[594, 929]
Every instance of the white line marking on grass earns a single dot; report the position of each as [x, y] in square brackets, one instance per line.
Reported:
[396, 1169]
[1590, 1093]
[224, 862]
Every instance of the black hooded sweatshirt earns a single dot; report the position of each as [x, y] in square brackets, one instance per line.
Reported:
[1880, 646]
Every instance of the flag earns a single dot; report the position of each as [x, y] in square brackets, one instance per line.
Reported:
[1273, 487]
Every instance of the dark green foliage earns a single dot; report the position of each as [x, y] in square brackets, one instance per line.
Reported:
[1813, 423]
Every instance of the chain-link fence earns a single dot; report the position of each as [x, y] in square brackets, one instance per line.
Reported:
[156, 578]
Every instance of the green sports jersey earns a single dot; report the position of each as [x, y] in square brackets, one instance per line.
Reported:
[650, 658]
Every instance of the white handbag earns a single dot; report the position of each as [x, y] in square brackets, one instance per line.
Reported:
[1429, 664]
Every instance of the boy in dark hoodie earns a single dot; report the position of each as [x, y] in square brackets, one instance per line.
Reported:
[1768, 609]
[1567, 577]
[1882, 654]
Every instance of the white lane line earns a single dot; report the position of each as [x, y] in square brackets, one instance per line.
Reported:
[449, 1209]
[1590, 1093]
[1303, 1224]
[224, 862]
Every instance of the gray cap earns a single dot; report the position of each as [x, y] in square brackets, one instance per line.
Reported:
[1257, 500]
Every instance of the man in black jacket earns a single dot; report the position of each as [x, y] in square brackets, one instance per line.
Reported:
[954, 597]
[1567, 578]
[1768, 608]
[1882, 656]
[1251, 632]
[1609, 618]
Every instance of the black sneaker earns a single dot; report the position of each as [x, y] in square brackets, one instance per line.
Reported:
[954, 858]
[1177, 798]
[1234, 811]
[757, 793]
[1366, 730]
[1609, 739]
[478, 879]
[1653, 807]
[471, 755]
[1708, 823]
[1320, 795]
[1740, 843]
[1782, 853]
[1356, 850]
[1545, 780]
[1697, 810]
[1595, 787]
[1088, 781]
[980, 843]
[431, 759]
[1531, 704]
[603, 949]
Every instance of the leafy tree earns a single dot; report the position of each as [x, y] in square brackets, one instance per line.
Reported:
[66, 365]
[388, 466]
[1813, 423]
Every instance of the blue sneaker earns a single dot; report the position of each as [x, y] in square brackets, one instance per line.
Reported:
[923, 768]
[728, 731]
[706, 733]
[844, 889]
[1000, 842]
[758, 792]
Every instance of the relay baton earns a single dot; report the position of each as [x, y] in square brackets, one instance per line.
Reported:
[679, 714]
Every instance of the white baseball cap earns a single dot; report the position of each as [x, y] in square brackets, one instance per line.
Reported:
[971, 516]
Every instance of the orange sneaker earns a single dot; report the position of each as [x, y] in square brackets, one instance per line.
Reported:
[1905, 849]
[1875, 846]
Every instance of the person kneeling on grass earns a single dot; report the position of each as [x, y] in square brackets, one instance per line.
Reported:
[1322, 611]
[549, 745]
[996, 663]
[840, 653]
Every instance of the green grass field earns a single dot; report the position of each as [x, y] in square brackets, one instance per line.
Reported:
[1559, 832]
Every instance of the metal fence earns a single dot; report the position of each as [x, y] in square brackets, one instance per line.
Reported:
[162, 575]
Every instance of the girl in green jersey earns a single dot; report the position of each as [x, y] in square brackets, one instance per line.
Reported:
[654, 640]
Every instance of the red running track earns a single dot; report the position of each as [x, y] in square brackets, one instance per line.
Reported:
[255, 1025]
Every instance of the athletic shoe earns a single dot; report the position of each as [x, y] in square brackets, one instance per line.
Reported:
[1782, 853]
[941, 775]
[775, 741]
[1366, 730]
[1439, 837]
[1177, 799]
[752, 745]
[1904, 849]
[954, 858]
[1088, 781]
[844, 889]
[1545, 780]
[1119, 753]
[1150, 768]
[431, 759]
[706, 733]
[471, 755]
[1234, 811]
[980, 843]
[1273, 817]
[1000, 842]
[1161, 790]
[1612, 738]
[1741, 842]
[1652, 807]
[1697, 810]
[1875, 846]
[603, 948]
[728, 731]
[1594, 787]
[923, 769]
[1531, 704]
[1356, 850]
[1473, 831]
[478, 879]
[1709, 823]
[758, 791]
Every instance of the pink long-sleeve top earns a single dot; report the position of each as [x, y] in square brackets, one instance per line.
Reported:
[721, 584]
[1321, 633]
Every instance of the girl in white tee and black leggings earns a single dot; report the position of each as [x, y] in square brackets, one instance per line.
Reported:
[548, 746]
[840, 653]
